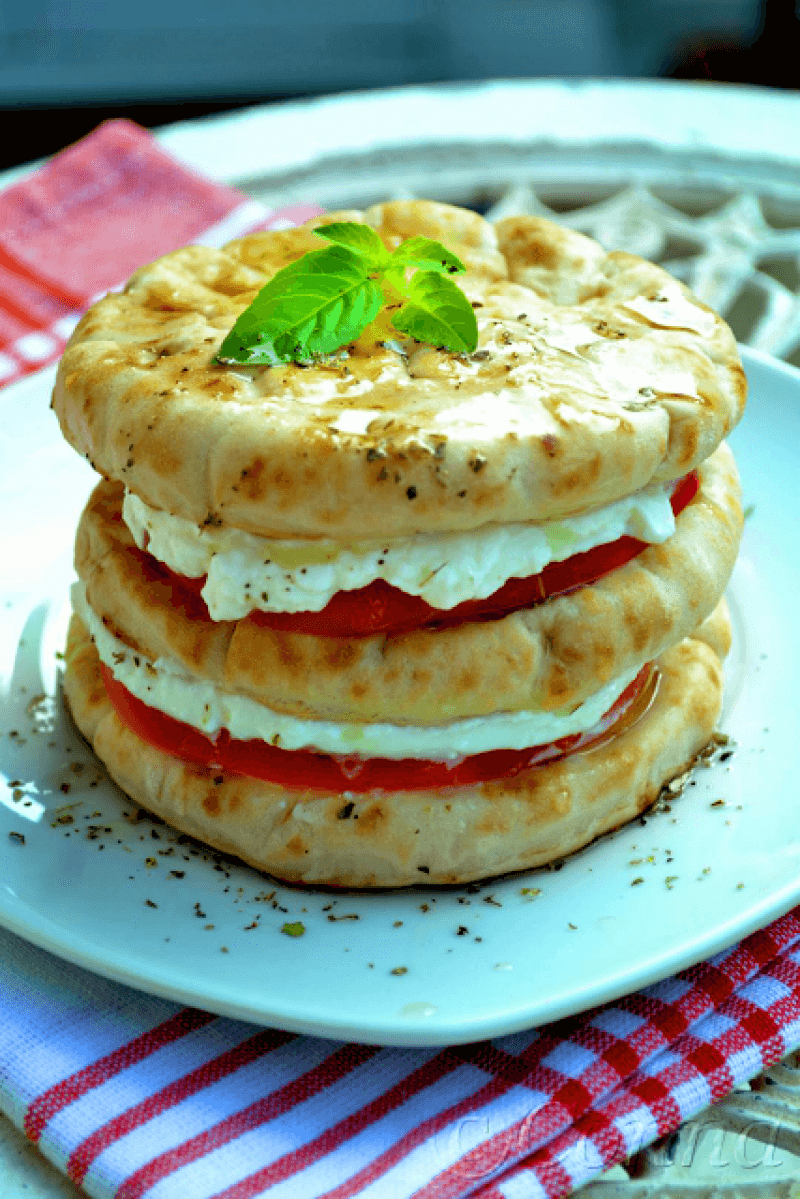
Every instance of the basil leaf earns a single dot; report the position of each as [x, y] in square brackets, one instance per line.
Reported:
[327, 298]
[438, 313]
[313, 306]
[429, 254]
[361, 239]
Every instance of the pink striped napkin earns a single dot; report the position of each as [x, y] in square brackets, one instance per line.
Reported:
[83, 223]
[133, 1096]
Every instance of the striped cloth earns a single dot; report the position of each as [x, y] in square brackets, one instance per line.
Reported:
[137, 1098]
[134, 1096]
[83, 223]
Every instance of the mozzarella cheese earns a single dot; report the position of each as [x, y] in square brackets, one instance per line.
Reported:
[164, 685]
[246, 572]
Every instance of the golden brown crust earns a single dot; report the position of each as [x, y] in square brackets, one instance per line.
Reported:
[386, 840]
[596, 374]
[555, 654]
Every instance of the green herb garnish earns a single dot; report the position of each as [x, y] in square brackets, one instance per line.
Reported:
[327, 298]
[294, 929]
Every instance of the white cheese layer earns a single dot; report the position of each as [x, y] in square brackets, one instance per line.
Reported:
[166, 686]
[246, 572]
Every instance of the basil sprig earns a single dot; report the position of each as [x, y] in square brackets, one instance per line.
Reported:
[326, 299]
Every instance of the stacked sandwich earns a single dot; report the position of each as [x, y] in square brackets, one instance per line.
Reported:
[403, 614]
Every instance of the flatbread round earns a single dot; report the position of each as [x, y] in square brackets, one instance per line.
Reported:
[549, 656]
[452, 835]
[596, 374]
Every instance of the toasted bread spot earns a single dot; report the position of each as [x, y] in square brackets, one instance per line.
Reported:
[164, 456]
[536, 253]
[690, 439]
[639, 629]
[296, 846]
[288, 653]
[338, 652]
[212, 804]
[283, 480]
[570, 654]
[372, 819]
[559, 686]
[494, 823]
[466, 680]
[574, 480]
[253, 483]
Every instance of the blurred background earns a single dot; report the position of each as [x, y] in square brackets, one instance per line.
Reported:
[65, 65]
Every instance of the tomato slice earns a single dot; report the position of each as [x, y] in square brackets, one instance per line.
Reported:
[307, 770]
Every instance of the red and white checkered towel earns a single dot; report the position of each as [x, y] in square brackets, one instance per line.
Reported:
[136, 1097]
[83, 223]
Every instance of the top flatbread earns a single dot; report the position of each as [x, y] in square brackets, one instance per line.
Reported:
[596, 373]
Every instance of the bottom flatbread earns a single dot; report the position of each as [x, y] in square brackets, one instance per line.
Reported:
[452, 835]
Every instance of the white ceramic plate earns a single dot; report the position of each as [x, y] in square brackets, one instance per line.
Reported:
[419, 967]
